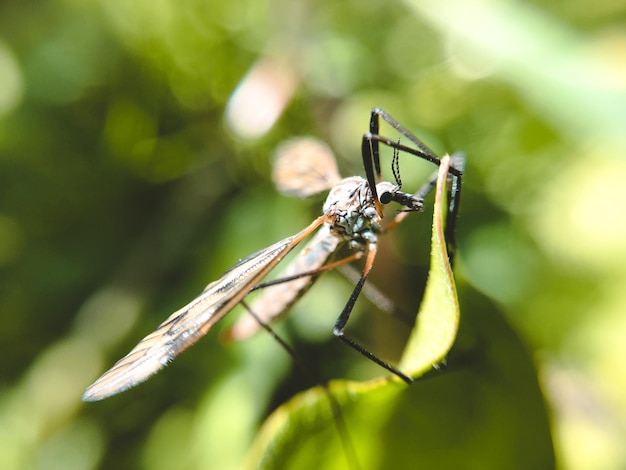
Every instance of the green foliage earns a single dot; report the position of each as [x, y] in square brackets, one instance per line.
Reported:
[130, 178]
[437, 321]
[452, 418]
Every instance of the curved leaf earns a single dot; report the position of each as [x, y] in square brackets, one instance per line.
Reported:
[437, 322]
[316, 429]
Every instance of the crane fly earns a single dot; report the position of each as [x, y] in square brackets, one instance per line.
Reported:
[352, 216]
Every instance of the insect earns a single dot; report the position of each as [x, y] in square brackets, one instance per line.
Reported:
[352, 216]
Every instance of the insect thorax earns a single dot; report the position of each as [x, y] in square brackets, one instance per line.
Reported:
[350, 207]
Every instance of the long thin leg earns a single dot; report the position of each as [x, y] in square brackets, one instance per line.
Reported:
[338, 331]
[326, 267]
[370, 291]
[458, 161]
[360, 286]
[377, 112]
[342, 428]
[454, 198]
[454, 194]
[375, 116]
[371, 159]
[374, 126]
[375, 295]
[370, 148]
[370, 151]
[431, 157]
[370, 142]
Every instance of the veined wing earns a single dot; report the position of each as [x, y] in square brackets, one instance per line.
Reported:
[304, 166]
[187, 325]
[276, 300]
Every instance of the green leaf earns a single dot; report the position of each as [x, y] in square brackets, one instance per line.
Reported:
[437, 323]
[314, 430]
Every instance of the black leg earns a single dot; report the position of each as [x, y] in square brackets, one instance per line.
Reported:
[375, 151]
[370, 159]
[371, 156]
[397, 126]
[338, 331]
[454, 198]
[315, 272]
[342, 428]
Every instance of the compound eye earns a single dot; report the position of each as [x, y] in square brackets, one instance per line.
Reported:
[386, 197]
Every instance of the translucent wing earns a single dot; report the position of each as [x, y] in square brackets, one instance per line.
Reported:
[185, 326]
[276, 300]
[304, 166]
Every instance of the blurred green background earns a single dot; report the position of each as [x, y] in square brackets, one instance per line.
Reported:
[135, 149]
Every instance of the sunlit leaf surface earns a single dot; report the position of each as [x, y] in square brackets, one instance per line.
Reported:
[438, 319]
[384, 423]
